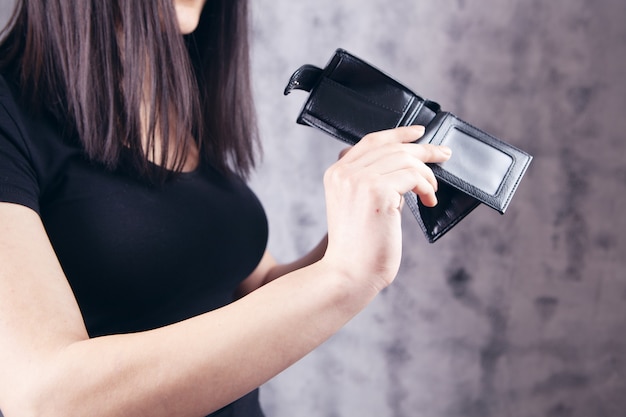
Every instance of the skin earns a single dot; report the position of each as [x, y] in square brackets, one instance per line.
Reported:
[188, 12]
[51, 367]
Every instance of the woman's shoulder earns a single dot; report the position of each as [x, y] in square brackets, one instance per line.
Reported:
[18, 181]
[32, 147]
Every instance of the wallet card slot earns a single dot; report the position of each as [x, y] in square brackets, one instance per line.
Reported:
[481, 166]
[350, 112]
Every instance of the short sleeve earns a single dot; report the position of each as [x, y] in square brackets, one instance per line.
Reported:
[18, 179]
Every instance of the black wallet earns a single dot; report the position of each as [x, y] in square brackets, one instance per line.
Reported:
[349, 98]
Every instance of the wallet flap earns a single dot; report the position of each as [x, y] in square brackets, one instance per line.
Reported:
[304, 78]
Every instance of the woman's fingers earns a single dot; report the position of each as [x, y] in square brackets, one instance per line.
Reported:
[425, 186]
[391, 156]
[383, 139]
[379, 144]
[431, 153]
[390, 163]
[369, 180]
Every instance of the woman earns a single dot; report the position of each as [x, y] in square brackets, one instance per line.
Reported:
[126, 229]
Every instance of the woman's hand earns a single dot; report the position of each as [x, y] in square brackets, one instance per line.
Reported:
[364, 192]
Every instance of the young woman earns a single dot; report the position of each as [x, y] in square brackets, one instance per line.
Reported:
[134, 276]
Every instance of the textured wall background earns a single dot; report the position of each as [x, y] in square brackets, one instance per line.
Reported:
[521, 315]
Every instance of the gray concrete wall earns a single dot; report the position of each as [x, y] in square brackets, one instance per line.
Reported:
[521, 315]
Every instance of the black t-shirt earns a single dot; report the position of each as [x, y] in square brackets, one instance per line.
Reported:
[137, 255]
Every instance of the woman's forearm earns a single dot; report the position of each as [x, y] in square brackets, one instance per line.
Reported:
[199, 365]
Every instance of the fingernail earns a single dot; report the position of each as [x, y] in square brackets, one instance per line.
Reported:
[445, 150]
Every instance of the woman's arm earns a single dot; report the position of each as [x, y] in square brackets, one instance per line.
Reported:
[50, 366]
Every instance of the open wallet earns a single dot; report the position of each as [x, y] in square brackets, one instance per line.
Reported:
[349, 98]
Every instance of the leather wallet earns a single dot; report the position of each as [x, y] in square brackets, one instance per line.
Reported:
[350, 98]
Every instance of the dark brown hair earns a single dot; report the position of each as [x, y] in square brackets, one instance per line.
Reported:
[92, 63]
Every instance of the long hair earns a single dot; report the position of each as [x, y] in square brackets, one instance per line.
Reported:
[119, 73]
